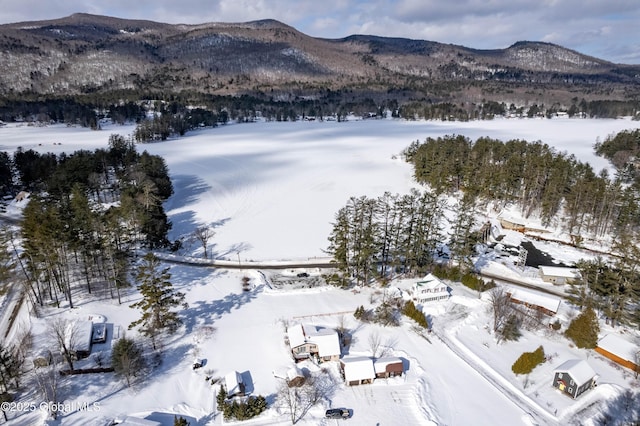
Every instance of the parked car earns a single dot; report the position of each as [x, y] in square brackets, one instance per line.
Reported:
[337, 413]
[303, 275]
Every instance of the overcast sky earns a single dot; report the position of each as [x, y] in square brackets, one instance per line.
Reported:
[607, 29]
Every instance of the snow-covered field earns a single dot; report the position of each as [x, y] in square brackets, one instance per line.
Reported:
[271, 190]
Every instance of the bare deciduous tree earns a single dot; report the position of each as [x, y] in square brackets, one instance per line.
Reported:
[296, 401]
[500, 306]
[48, 382]
[64, 334]
[204, 234]
[375, 341]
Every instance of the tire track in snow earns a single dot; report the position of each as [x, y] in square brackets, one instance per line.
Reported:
[537, 414]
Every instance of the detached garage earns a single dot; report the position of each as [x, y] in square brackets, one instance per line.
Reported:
[620, 350]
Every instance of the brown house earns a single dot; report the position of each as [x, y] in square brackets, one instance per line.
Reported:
[620, 351]
[388, 367]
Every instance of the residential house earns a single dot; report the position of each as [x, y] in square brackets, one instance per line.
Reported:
[430, 289]
[388, 367]
[233, 384]
[574, 377]
[358, 370]
[558, 275]
[620, 350]
[544, 303]
[79, 338]
[308, 341]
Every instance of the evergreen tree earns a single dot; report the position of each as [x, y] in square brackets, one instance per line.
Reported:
[180, 421]
[528, 361]
[462, 241]
[511, 328]
[127, 359]
[158, 298]
[584, 329]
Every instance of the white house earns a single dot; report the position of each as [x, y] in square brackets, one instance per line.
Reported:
[358, 370]
[430, 289]
[310, 341]
[558, 275]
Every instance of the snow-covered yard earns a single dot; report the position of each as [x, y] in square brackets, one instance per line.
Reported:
[271, 190]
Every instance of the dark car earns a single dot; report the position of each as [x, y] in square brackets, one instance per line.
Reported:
[337, 413]
[303, 275]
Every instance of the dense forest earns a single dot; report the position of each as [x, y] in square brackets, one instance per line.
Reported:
[87, 214]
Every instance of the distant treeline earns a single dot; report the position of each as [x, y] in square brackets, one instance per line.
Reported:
[176, 113]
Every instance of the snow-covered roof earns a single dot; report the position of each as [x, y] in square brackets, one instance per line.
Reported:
[327, 341]
[578, 369]
[430, 281]
[550, 303]
[325, 338]
[79, 335]
[619, 346]
[380, 364]
[232, 382]
[358, 368]
[296, 335]
[558, 271]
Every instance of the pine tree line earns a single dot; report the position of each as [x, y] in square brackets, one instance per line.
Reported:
[393, 233]
[68, 234]
[534, 176]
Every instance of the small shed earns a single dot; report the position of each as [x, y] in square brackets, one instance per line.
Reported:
[388, 367]
[558, 275]
[574, 377]
[430, 289]
[358, 370]
[620, 350]
[233, 384]
[544, 303]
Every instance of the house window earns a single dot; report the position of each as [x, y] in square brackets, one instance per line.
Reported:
[570, 390]
[572, 383]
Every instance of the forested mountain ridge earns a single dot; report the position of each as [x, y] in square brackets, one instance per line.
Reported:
[85, 54]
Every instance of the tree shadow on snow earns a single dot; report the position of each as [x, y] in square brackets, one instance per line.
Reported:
[206, 313]
[186, 189]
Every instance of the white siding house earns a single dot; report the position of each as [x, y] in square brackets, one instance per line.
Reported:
[558, 275]
[430, 289]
